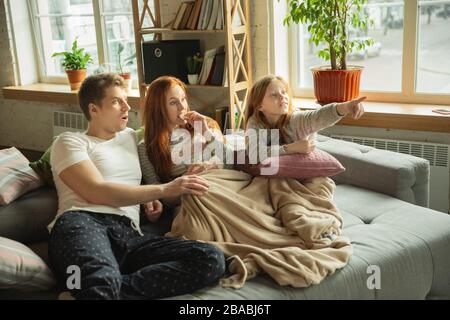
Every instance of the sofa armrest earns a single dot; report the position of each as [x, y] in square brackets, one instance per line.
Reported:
[399, 175]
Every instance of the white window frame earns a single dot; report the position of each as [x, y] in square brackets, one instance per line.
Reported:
[100, 31]
[409, 63]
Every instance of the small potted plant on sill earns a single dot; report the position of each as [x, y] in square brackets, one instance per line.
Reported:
[194, 65]
[75, 63]
[124, 64]
[329, 22]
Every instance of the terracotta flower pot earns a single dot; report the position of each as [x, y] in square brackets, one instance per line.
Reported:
[76, 77]
[336, 85]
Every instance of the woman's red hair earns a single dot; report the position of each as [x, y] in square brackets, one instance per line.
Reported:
[157, 133]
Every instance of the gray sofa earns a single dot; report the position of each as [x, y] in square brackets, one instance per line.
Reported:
[382, 197]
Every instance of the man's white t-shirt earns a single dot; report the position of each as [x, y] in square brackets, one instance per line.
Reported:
[116, 159]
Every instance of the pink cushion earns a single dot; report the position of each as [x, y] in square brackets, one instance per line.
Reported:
[16, 176]
[299, 166]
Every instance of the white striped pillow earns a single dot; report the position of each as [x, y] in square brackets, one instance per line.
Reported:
[22, 269]
[16, 176]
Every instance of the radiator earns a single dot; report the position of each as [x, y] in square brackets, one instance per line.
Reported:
[68, 121]
[437, 154]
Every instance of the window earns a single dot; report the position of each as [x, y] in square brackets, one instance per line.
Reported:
[408, 61]
[433, 57]
[99, 26]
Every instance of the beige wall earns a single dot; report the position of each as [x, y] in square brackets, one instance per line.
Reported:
[29, 124]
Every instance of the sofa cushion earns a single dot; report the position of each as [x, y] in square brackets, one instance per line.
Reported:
[298, 166]
[16, 177]
[22, 269]
[408, 243]
[26, 219]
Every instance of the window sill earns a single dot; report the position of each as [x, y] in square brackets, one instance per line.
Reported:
[392, 116]
[378, 114]
[57, 93]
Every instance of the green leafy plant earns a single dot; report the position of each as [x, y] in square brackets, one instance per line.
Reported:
[76, 59]
[329, 23]
[194, 63]
[127, 61]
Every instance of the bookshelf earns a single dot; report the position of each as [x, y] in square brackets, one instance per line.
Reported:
[236, 39]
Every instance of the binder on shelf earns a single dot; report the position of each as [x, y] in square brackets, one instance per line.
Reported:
[207, 65]
[219, 67]
[167, 57]
[220, 117]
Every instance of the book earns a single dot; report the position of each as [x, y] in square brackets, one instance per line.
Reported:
[211, 71]
[206, 14]
[207, 64]
[183, 23]
[226, 123]
[214, 13]
[220, 117]
[201, 15]
[179, 16]
[193, 19]
[220, 18]
[219, 66]
[442, 111]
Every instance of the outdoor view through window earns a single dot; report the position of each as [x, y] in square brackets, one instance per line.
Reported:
[59, 22]
[383, 60]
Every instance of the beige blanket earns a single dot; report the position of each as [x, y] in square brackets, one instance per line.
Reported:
[288, 229]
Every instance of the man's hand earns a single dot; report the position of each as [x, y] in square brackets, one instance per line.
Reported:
[354, 107]
[300, 146]
[190, 184]
[153, 210]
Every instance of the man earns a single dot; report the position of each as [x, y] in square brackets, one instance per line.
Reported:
[97, 176]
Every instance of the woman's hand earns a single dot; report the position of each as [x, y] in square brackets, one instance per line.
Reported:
[189, 184]
[153, 210]
[300, 146]
[192, 116]
[354, 107]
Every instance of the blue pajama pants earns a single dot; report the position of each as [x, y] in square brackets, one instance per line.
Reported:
[115, 262]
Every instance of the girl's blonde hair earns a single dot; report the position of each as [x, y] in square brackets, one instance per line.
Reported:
[255, 99]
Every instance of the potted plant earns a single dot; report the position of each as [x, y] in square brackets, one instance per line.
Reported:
[194, 65]
[123, 64]
[75, 63]
[329, 23]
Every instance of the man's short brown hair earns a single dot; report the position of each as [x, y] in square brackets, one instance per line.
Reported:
[93, 89]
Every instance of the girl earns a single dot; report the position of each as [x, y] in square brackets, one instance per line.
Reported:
[270, 107]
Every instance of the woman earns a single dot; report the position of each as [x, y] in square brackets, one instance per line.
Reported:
[169, 129]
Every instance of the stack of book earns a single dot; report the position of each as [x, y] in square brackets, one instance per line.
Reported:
[212, 72]
[199, 15]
